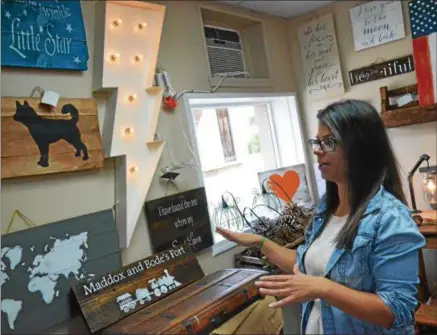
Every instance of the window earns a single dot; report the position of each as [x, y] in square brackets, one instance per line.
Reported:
[239, 137]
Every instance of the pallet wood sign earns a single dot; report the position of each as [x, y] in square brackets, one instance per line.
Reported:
[109, 298]
[38, 141]
[178, 219]
[39, 265]
[387, 69]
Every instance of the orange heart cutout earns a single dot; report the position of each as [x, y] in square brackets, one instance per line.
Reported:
[284, 187]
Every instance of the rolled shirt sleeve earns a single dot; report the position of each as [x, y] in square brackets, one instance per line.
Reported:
[395, 263]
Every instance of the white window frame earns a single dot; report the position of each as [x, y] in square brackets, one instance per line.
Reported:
[245, 99]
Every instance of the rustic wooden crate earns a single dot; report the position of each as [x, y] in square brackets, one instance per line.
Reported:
[412, 113]
[27, 127]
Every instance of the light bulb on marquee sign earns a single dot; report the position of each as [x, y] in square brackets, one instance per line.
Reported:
[117, 23]
[131, 41]
[114, 57]
[131, 98]
[142, 26]
[138, 58]
[129, 131]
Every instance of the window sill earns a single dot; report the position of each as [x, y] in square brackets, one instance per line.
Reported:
[241, 82]
[223, 166]
[222, 246]
[225, 245]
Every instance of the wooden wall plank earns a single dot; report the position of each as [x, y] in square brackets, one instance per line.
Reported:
[38, 140]
[47, 252]
[21, 166]
[85, 107]
[109, 298]
[16, 147]
[14, 129]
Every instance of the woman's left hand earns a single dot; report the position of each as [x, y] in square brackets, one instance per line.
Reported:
[297, 287]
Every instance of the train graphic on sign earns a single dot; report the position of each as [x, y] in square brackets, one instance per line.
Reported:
[127, 302]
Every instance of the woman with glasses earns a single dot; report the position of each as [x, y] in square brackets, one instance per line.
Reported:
[357, 272]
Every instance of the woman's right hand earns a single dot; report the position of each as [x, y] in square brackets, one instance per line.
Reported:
[244, 239]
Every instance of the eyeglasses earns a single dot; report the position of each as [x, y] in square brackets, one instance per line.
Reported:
[327, 144]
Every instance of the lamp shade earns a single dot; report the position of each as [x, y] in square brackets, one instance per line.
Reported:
[429, 185]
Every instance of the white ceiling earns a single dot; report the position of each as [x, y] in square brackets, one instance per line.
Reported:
[285, 9]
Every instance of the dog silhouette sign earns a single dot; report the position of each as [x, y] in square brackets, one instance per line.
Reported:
[35, 141]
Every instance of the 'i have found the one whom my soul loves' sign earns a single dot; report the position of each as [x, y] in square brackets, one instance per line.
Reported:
[180, 218]
[106, 299]
[46, 34]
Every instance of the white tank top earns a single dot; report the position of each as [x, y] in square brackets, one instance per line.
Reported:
[316, 260]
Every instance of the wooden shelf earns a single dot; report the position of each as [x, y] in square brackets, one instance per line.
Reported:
[394, 116]
[409, 116]
[427, 315]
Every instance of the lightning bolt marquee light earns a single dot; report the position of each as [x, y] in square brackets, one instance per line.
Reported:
[127, 36]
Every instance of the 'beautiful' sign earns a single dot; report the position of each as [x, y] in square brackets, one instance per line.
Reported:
[43, 34]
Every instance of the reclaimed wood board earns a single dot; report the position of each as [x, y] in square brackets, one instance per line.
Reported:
[39, 265]
[106, 299]
[412, 113]
[382, 70]
[37, 140]
[195, 309]
[408, 116]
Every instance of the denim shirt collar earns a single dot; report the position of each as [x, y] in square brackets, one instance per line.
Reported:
[375, 203]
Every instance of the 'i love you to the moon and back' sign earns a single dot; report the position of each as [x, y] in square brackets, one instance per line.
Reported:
[43, 34]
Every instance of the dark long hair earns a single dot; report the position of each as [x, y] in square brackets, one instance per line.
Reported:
[370, 161]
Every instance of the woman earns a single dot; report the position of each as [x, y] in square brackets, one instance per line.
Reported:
[357, 271]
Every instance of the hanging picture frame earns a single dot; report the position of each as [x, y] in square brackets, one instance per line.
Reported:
[43, 34]
[320, 58]
[377, 22]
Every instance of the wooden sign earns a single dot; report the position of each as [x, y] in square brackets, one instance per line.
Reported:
[43, 34]
[321, 62]
[178, 219]
[39, 265]
[377, 22]
[36, 140]
[390, 68]
[109, 298]
[198, 308]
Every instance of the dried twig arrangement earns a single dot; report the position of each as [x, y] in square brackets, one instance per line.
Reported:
[288, 229]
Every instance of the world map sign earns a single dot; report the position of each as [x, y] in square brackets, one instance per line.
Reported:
[39, 265]
[46, 34]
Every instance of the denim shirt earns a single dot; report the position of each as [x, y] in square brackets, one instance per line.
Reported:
[383, 260]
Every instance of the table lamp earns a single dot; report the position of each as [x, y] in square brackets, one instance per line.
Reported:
[429, 183]
[422, 158]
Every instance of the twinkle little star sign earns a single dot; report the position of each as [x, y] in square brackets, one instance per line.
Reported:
[43, 34]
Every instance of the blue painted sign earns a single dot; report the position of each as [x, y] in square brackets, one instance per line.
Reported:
[46, 34]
